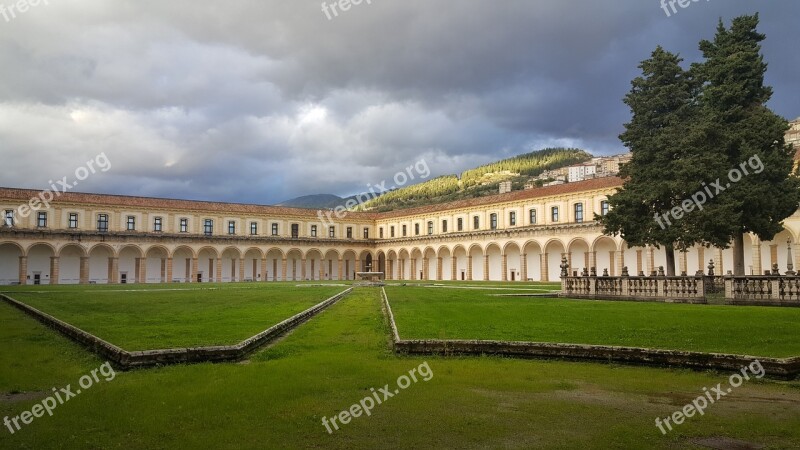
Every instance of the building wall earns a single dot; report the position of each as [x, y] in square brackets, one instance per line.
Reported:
[523, 250]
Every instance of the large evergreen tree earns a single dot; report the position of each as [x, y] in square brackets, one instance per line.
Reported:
[733, 102]
[665, 166]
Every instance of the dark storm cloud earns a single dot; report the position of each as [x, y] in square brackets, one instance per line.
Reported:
[259, 101]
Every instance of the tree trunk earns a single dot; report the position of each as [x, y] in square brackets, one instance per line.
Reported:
[738, 255]
[670, 251]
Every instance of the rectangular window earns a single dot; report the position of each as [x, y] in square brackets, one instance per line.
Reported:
[532, 216]
[102, 223]
[391, 231]
[444, 226]
[253, 228]
[416, 229]
[405, 231]
[476, 222]
[380, 232]
[274, 229]
[73, 220]
[313, 231]
[231, 227]
[157, 225]
[9, 218]
[460, 224]
[493, 221]
[41, 220]
[554, 213]
[131, 223]
[366, 233]
[295, 231]
[331, 232]
[604, 208]
[184, 225]
[208, 227]
[430, 228]
[512, 218]
[349, 232]
[578, 212]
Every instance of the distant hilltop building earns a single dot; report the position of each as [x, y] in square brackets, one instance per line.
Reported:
[793, 135]
[505, 186]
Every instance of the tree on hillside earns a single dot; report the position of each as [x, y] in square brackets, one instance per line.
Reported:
[733, 101]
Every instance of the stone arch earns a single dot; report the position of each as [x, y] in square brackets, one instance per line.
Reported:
[461, 262]
[430, 264]
[476, 257]
[70, 257]
[605, 255]
[332, 266]
[275, 269]
[445, 258]
[208, 265]
[404, 264]
[294, 262]
[493, 258]
[182, 257]
[253, 264]
[512, 255]
[532, 252]
[553, 249]
[10, 254]
[313, 265]
[103, 264]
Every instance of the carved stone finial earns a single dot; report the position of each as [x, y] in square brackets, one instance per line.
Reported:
[625, 271]
[605, 272]
[711, 267]
[661, 271]
[564, 267]
[593, 272]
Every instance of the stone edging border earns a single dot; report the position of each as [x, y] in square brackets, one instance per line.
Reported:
[126, 360]
[779, 368]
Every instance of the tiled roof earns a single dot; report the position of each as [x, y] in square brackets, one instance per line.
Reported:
[24, 195]
[559, 189]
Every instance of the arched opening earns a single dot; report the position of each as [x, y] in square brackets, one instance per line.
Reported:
[10, 254]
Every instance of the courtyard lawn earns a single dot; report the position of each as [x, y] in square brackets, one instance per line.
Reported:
[146, 317]
[278, 398]
[423, 313]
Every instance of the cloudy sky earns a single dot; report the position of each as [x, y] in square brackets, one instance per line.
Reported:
[259, 101]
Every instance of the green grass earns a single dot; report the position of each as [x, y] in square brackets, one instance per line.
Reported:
[278, 398]
[427, 313]
[148, 317]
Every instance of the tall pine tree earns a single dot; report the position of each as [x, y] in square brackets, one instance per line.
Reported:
[733, 103]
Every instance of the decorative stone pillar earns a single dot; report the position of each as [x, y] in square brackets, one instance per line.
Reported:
[113, 270]
[217, 271]
[545, 267]
[504, 266]
[401, 269]
[523, 263]
[413, 269]
[169, 270]
[719, 269]
[469, 268]
[341, 269]
[639, 268]
[592, 262]
[773, 255]
[682, 264]
[651, 260]
[757, 266]
[84, 271]
[612, 257]
[302, 269]
[453, 268]
[426, 268]
[439, 269]
[193, 274]
[241, 270]
[163, 269]
[23, 270]
[263, 269]
[485, 267]
[54, 270]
